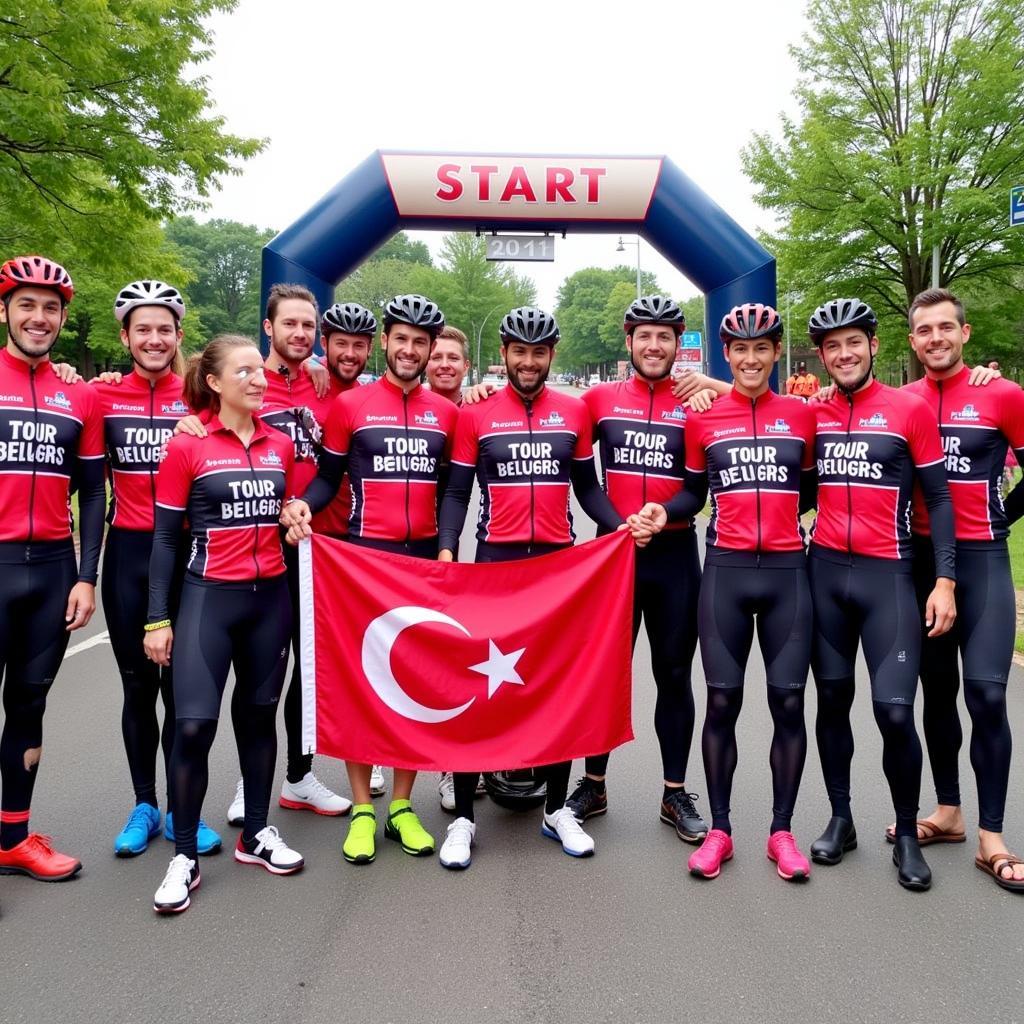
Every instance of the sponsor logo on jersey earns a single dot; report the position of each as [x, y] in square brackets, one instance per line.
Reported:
[270, 459]
[428, 419]
[498, 424]
[967, 414]
[876, 419]
[381, 419]
[628, 412]
[213, 463]
[176, 408]
[60, 400]
[829, 423]
[731, 430]
[780, 426]
[554, 420]
[12, 398]
[122, 407]
[674, 414]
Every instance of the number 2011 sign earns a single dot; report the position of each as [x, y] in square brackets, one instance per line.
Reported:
[528, 248]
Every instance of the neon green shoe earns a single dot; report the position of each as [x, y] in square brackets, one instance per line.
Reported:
[359, 846]
[404, 827]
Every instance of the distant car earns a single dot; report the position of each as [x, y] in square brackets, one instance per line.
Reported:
[494, 378]
[595, 379]
[366, 378]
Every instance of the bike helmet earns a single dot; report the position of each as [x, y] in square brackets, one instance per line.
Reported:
[749, 321]
[529, 325]
[348, 318]
[38, 272]
[654, 309]
[516, 790]
[148, 293]
[416, 311]
[838, 313]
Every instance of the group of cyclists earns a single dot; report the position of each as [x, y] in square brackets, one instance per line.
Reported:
[219, 468]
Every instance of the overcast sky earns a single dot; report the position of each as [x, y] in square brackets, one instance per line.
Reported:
[328, 81]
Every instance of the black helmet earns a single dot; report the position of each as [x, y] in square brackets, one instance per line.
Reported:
[516, 790]
[529, 325]
[654, 309]
[749, 321]
[416, 311]
[349, 318]
[838, 313]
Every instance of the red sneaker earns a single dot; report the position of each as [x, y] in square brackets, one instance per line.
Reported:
[35, 856]
[707, 861]
[792, 864]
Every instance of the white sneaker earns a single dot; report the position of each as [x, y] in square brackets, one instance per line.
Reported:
[377, 786]
[568, 831]
[446, 791]
[455, 852]
[173, 895]
[270, 851]
[310, 794]
[236, 810]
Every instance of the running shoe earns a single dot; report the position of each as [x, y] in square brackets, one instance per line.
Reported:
[679, 812]
[310, 794]
[36, 857]
[270, 851]
[142, 825]
[207, 841]
[585, 801]
[563, 827]
[446, 791]
[456, 849]
[377, 786]
[236, 810]
[481, 786]
[182, 877]
[792, 865]
[707, 861]
[404, 827]
[360, 846]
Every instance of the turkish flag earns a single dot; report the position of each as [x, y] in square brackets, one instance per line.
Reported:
[456, 667]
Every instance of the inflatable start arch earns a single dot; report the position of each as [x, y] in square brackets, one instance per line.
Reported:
[648, 196]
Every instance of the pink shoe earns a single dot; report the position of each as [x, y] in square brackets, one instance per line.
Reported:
[792, 864]
[706, 862]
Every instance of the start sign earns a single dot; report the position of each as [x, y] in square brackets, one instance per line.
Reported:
[535, 188]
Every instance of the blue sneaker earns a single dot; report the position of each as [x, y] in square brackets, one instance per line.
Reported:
[142, 825]
[207, 841]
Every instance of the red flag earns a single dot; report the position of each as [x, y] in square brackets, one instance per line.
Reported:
[458, 667]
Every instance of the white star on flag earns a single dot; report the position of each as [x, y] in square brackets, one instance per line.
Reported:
[499, 668]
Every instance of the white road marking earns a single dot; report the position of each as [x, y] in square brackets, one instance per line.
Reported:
[93, 641]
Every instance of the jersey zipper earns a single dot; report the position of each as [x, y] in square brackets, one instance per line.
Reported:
[152, 472]
[32, 487]
[528, 404]
[757, 483]
[408, 521]
[650, 417]
[849, 492]
[255, 521]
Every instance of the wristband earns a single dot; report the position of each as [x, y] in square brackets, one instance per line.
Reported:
[151, 627]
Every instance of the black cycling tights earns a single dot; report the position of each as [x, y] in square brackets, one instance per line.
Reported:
[555, 775]
[901, 751]
[787, 755]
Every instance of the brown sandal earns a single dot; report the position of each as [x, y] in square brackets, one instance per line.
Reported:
[1003, 860]
[932, 834]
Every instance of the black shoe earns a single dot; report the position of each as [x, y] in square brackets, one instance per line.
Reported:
[586, 802]
[679, 811]
[839, 837]
[914, 872]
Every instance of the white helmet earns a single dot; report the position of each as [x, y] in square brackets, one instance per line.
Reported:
[148, 293]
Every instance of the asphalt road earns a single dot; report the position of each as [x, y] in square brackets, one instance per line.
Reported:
[526, 934]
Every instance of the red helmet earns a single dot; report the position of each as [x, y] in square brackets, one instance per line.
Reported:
[749, 321]
[37, 272]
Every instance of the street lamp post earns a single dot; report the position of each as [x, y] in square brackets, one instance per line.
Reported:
[479, 336]
[621, 247]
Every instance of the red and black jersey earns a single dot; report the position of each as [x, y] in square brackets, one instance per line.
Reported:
[45, 428]
[523, 452]
[977, 425]
[232, 495]
[753, 452]
[289, 401]
[639, 428]
[392, 443]
[868, 448]
[138, 420]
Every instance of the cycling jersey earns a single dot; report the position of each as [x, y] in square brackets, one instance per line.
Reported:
[977, 425]
[869, 448]
[753, 454]
[639, 428]
[49, 431]
[392, 444]
[138, 420]
[232, 494]
[526, 454]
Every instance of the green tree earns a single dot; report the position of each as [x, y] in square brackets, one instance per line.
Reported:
[693, 311]
[910, 136]
[400, 247]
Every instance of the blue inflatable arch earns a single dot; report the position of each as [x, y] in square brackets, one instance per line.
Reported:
[649, 196]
